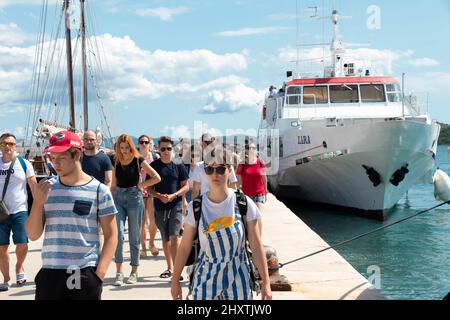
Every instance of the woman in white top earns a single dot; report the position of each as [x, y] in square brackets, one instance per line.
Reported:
[222, 271]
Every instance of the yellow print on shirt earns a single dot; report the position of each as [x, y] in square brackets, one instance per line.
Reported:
[220, 223]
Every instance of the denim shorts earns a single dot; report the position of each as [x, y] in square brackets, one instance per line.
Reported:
[259, 198]
[16, 224]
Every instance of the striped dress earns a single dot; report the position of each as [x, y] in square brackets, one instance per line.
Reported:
[222, 272]
[71, 238]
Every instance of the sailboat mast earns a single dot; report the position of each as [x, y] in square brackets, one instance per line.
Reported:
[69, 65]
[83, 62]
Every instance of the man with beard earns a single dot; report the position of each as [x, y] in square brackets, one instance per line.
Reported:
[95, 163]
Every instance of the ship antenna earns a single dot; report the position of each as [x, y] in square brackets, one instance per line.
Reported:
[297, 37]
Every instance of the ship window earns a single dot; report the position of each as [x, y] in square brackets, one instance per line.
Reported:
[372, 93]
[313, 95]
[393, 92]
[293, 95]
[344, 94]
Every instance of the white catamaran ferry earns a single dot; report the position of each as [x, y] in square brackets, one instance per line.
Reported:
[346, 139]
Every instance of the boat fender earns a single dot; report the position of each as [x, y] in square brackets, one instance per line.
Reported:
[441, 183]
[373, 175]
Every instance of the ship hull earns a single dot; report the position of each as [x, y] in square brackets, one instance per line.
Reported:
[343, 180]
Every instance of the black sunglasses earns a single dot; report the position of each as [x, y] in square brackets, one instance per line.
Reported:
[144, 142]
[220, 170]
[163, 149]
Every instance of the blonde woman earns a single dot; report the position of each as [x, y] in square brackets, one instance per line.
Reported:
[127, 192]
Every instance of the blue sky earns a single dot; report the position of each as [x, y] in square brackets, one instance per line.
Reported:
[171, 63]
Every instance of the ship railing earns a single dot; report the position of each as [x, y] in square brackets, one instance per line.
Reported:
[300, 102]
[414, 105]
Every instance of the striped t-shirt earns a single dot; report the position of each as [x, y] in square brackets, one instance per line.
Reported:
[71, 238]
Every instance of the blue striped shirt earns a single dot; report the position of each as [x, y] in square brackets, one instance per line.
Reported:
[71, 238]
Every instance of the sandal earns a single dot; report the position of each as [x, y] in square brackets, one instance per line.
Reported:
[143, 254]
[21, 278]
[154, 250]
[166, 274]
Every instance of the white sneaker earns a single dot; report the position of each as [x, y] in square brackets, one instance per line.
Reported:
[133, 278]
[119, 279]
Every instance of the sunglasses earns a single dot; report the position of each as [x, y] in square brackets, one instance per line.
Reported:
[219, 170]
[163, 149]
[250, 148]
[144, 142]
[9, 144]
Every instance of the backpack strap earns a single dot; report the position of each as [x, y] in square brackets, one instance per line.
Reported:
[241, 201]
[23, 164]
[197, 206]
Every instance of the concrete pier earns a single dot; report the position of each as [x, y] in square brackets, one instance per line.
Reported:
[323, 276]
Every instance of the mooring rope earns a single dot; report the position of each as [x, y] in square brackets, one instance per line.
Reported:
[281, 265]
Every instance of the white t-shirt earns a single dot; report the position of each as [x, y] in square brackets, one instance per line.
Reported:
[16, 194]
[219, 215]
[199, 175]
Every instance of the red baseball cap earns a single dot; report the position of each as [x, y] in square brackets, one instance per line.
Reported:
[63, 141]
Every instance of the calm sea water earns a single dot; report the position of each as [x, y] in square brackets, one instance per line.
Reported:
[413, 256]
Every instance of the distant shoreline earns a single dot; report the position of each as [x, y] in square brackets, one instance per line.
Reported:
[444, 136]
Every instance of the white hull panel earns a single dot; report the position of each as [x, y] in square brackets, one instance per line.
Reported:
[342, 180]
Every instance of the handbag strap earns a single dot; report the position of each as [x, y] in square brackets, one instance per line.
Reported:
[8, 175]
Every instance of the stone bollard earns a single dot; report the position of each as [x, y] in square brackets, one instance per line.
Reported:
[277, 282]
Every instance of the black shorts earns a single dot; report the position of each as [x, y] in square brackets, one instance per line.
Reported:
[58, 284]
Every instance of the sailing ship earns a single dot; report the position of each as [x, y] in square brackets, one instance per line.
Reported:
[58, 101]
[347, 138]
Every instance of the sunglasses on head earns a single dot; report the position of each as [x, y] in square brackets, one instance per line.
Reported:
[144, 142]
[9, 144]
[163, 149]
[219, 170]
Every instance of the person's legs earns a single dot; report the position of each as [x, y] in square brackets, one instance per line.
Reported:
[20, 239]
[175, 225]
[5, 232]
[4, 263]
[152, 227]
[120, 219]
[145, 223]
[163, 225]
[135, 209]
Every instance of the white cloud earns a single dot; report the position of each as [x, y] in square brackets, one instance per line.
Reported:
[432, 82]
[194, 131]
[423, 62]
[8, 3]
[251, 31]
[135, 73]
[163, 13]
[11, 35]
[233, 99]
[379, 61]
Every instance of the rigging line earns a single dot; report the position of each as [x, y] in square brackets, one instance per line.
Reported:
[297, 35]
[47, 98]
[110, 124]
[48, 68]
[53, 101]
[100, 109]
[38, 58]
[364, 234]
[34, 74]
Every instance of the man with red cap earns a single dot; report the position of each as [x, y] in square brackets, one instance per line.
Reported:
[70, 208]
